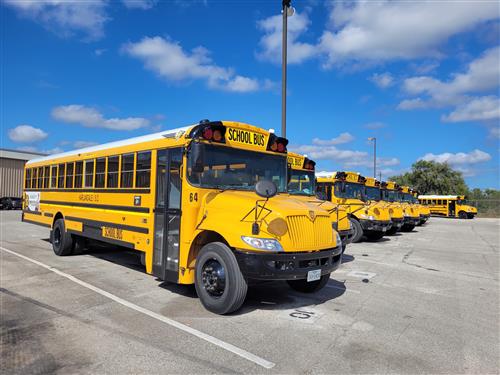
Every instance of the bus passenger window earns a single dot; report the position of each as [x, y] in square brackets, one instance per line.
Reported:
[89, 173]
[53, 177]
[78, 174]
[175, 178]
[69, 175]
[112, 172]
[143, 169]
[46, 177]
[60, 180]
[127, 171]
[100, 170]
[40, 177]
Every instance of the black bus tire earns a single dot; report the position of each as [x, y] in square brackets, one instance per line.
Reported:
[358, 230]
[308, 287]
[462, 215]
[392, 231]
[407, 227]
[219, 283]
[62, 241]
[374, 236]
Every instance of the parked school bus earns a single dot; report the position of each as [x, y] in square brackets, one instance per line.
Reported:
[449, 205]
[199, 202]
[424, 211]
[302, 185]
[374, 194]
[348, 190]
[411, 211]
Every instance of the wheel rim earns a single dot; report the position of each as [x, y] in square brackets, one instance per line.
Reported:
[57, 237]
[213, 276]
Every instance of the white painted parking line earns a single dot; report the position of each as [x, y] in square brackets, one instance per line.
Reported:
[362, 274]
[212, 340]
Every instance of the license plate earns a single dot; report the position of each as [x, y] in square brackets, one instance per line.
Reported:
[313, 275]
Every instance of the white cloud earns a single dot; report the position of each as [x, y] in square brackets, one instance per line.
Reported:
[382, 80]
[139, 4]
[342, 138]
[495, 132]
[270, 43]
[26, 134]
[169, 60]
[460, 158]
[376, 31]
[92, 118]
[55, 150]
[82, 144]
[65, 18]
[99, 51]
[478, 109]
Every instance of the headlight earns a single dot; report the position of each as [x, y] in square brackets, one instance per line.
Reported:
[263, 243]
[367, 217]
[339, 240]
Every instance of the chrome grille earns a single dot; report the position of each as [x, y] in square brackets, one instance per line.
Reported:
[307, 234]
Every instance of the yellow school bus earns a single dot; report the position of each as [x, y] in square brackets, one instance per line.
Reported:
[449, 205]
[348, 190]
[200, 203]
[411, 211]
[374, 195]
[302, 185]
[424, 211]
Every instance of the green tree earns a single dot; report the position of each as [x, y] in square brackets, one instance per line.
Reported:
[429, 177]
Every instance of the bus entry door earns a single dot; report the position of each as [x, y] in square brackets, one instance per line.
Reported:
[167, 214]
[451, 208]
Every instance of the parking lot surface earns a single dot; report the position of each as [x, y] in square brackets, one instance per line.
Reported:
[419, 302]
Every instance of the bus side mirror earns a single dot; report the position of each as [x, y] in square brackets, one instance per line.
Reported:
[266, 189]
[197, 157]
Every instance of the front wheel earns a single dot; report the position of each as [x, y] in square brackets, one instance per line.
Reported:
[358, 230]
[462, 215]
[392, 231]
[309, 287]
[219, 283]
[407, 227]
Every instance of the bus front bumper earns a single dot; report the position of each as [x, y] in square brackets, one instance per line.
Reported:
[397, 223]
[424, 218]
[376, 225]
[346, 235]
[408, 220]
[287, 266]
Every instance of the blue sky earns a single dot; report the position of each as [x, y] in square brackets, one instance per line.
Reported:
[422, 77]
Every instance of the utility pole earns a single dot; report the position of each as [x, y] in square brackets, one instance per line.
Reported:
[374, 139]
[287, 12]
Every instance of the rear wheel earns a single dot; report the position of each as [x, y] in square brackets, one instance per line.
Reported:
[374, 236]
[309, 287]
[358, 230]
[62, 242]
[462, 215]
[219, 283]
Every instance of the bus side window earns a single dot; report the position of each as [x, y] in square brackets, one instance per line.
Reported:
[127, 171]
[78, 174]
[113, 171]
[89, 174]
[143, 169]
[40, 177]
[60, 179]
[69, 175]
[175, 178]
[100, 170]
[46, 176]
[27, 178]
[53, 177]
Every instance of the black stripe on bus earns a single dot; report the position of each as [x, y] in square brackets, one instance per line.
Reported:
[101, 206]
[32, 212]
[98, 237]
[95, 223]
[123, 191]
[48, 214]
[37, 223]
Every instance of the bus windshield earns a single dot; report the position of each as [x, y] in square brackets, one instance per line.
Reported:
[351, 190]
[220, 167]
[406, 197]
[372, 193]
[390, 196]
[301, 183]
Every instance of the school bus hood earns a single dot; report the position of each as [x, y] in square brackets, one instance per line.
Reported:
[297, 225]
[395, 211]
